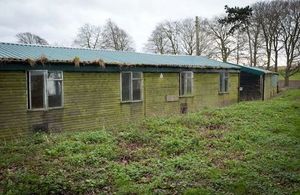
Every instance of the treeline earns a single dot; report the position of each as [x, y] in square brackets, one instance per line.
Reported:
[109, 36]
[258, 35]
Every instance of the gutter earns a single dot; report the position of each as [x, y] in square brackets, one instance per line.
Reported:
[103, 64]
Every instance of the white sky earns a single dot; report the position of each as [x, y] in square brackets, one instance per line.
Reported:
[58, 21]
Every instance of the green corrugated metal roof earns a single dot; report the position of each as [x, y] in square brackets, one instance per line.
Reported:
[15, 51]
[253, 70]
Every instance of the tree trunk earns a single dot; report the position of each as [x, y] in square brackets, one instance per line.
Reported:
[238, 48]
[255, 57]
[255, 48]
[250, 47]
[223, 51]
[255, 53]
[269, 59]
[287, 71]
[286, 80]
[276, 61]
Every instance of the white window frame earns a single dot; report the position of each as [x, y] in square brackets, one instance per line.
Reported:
[183, 92]
[131, 87]
[224, 76]
[45, 91]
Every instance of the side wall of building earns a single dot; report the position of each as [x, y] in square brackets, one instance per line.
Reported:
[270, 86]
[92, 100]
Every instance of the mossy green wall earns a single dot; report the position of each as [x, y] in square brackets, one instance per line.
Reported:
[205, 93]
[92, 100]
[13, 115]
[269, 89]
[155, 91]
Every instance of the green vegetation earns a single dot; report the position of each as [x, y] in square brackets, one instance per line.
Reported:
[296, 76]
[247, 148]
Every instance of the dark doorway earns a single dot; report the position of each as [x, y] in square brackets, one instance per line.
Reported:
[250, 86]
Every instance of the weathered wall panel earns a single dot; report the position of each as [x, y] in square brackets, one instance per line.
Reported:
[92, 100]
[269, 89]
[13, 98]
[155, 91]
[205, 93]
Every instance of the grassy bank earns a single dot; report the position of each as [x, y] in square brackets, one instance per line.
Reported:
[295, 77]
[250, 147]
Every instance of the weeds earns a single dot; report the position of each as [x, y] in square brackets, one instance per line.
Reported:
[247, 148]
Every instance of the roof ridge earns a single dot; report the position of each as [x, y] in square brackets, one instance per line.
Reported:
[261, 69]
[53, 46]
[97, 49]
[62, 53]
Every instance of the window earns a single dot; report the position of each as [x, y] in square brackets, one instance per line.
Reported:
[131, 86]
[186, 83]
[224, 84]
[45, 89]
[54, 89]
[274, 80]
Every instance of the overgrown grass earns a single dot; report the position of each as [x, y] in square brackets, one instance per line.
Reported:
[247, 148]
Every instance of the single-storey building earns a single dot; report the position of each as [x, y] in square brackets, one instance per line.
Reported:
[257, 83]
[45, 88]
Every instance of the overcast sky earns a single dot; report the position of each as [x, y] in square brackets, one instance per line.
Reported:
[58, 20]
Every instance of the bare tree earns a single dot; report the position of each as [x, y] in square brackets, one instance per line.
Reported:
[171, 31]
[166, 38]
[269, 16]
[258, 39]
[187, 35]
[29, 38]
[176, 37]
[290, 24]
[239, 20]
[157, 41]
[223, 39]
[205, 38]
[242, 47]
[254, 36]
[89, 36]
[116, 38]
[187, 30]
[276, 12]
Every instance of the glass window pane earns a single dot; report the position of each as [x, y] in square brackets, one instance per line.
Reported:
[221, 82]
[226, 85]
[126, 86]
[274, 80]
[136, 93]
[54, 89]
[136, 75]
[189, 86]
[54, 75]
[37, 89]
[182, 84]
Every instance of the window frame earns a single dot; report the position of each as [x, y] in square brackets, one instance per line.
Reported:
[131, 87]
[45, 91]
[182, 92]
[222, 77]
